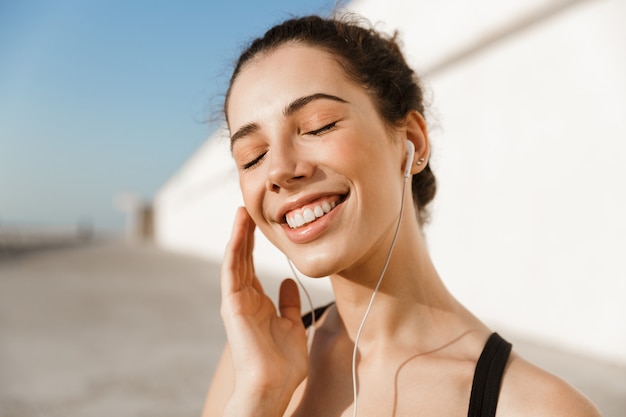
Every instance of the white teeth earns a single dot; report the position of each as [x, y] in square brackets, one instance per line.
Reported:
[298, 220]
[309, 214]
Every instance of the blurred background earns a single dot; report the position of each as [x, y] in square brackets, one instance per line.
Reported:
[117, 190]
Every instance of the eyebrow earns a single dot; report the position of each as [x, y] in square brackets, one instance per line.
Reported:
[298, 103]
[244, 130]
[290, 109]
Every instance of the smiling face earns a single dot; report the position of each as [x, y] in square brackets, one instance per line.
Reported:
[320, 173]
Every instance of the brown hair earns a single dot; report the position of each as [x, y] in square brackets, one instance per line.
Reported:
[371, 59]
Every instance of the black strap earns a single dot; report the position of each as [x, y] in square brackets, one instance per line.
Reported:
[488, 377]
[307, 319]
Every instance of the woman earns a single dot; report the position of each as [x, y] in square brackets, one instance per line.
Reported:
[321, 113]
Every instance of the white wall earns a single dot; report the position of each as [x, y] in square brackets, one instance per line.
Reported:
[195, 208]
[528, 228]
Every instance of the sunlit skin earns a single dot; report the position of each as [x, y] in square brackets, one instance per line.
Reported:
[303, 133]
[330, 147]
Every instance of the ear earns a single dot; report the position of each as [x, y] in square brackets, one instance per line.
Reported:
[416, 131]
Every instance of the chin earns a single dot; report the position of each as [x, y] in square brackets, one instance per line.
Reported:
[313, 273]
[315, 266]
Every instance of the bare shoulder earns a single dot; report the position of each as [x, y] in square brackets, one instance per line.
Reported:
[530, 391]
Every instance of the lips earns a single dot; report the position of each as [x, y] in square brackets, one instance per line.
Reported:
[308, 213]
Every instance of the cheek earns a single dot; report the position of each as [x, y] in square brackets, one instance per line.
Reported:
[249, 191]
[252, 190]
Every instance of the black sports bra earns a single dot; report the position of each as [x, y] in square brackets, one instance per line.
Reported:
[487, 375]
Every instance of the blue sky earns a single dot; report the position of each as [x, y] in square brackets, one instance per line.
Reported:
[100, 97]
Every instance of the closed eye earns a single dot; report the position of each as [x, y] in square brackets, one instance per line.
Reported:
[322, 130]
[255, 161]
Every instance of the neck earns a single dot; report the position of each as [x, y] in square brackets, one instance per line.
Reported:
[411, 298]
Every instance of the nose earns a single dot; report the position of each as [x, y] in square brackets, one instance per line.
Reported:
[287, 167]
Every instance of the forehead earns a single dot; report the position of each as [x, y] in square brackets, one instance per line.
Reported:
[276, 78]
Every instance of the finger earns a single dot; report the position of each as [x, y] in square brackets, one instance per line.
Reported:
[247, 260]
[238, 263]
[230, 263]
[289, 301]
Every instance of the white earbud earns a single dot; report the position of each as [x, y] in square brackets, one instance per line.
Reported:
[409, 158]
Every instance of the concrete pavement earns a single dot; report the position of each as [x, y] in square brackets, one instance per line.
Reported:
[124, 329]
[107, 329]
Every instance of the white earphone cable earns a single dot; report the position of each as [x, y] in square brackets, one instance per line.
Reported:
[311, 332]
[369, 306]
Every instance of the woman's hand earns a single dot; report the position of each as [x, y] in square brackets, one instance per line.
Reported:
[269, 351]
